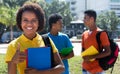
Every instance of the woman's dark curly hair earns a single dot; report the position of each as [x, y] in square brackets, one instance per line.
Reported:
[35, 8]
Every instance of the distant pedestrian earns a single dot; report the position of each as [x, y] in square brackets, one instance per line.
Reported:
[89, 39]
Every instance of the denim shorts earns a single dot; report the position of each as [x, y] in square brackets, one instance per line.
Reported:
[86, 72]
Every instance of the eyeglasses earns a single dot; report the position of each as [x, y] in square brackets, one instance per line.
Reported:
[33, 21]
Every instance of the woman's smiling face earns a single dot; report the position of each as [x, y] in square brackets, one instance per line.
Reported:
[29, 23]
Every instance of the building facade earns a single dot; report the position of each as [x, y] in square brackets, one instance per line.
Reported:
[115, 6]
[78, 7]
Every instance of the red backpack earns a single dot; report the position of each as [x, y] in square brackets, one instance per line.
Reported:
[109, 61]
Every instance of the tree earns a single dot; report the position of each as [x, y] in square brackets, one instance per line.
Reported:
[9, 8]
[57, 6]
[7, 17]
[8, 12]
[13, 3]
[108, 21]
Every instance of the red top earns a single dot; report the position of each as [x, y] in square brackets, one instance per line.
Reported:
[88, 40]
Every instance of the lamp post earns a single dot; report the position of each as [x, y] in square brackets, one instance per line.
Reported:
[85, 4]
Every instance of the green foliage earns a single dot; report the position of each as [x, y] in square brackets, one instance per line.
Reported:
[9, 8]
[13, 3]
[108, 21]
[8, 11]
[57, 6]
[7, 15]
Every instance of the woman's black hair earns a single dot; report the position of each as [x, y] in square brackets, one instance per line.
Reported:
[32, 7]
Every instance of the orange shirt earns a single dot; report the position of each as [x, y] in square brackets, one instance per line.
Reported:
[88, 40]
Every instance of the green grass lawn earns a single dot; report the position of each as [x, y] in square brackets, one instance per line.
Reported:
[75, 66]
[3, 65]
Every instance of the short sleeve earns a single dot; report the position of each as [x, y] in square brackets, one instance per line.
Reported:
[10, 53]
[69, 43]
[104, 39]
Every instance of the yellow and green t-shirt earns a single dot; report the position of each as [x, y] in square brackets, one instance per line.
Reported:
[24, 44]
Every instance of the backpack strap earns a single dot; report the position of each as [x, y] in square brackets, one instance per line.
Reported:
[98, 39]
[48, 44]
[46, 40]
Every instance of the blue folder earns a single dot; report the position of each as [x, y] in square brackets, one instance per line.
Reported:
[39, 58]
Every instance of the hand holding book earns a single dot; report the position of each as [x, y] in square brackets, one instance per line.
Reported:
[90, 51]
[66, 51]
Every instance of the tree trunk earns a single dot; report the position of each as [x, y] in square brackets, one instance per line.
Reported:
[11, 32]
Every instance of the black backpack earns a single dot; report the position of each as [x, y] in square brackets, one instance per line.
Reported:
[48, 44]
[109, 61]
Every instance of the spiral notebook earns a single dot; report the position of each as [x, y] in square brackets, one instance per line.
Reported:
[39, 58]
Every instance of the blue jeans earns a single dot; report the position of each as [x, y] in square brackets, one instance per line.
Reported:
[86, 72]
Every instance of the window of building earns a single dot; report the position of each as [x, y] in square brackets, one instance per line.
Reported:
[73, 9]
[115, 8]
[73, 2]
[115, 0]
[74, 14]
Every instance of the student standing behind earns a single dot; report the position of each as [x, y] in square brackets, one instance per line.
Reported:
[30, 19]
[61, 40]
[89, 39]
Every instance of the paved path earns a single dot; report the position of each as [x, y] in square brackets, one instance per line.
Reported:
[77, 48]
[3, 48]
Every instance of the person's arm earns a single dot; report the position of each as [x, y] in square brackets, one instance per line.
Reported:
[105, 53]
[68, 56]
[69, 45]
[17, 58]
[82, 44]
[58, 69]
[106, 47]
[12, 68]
